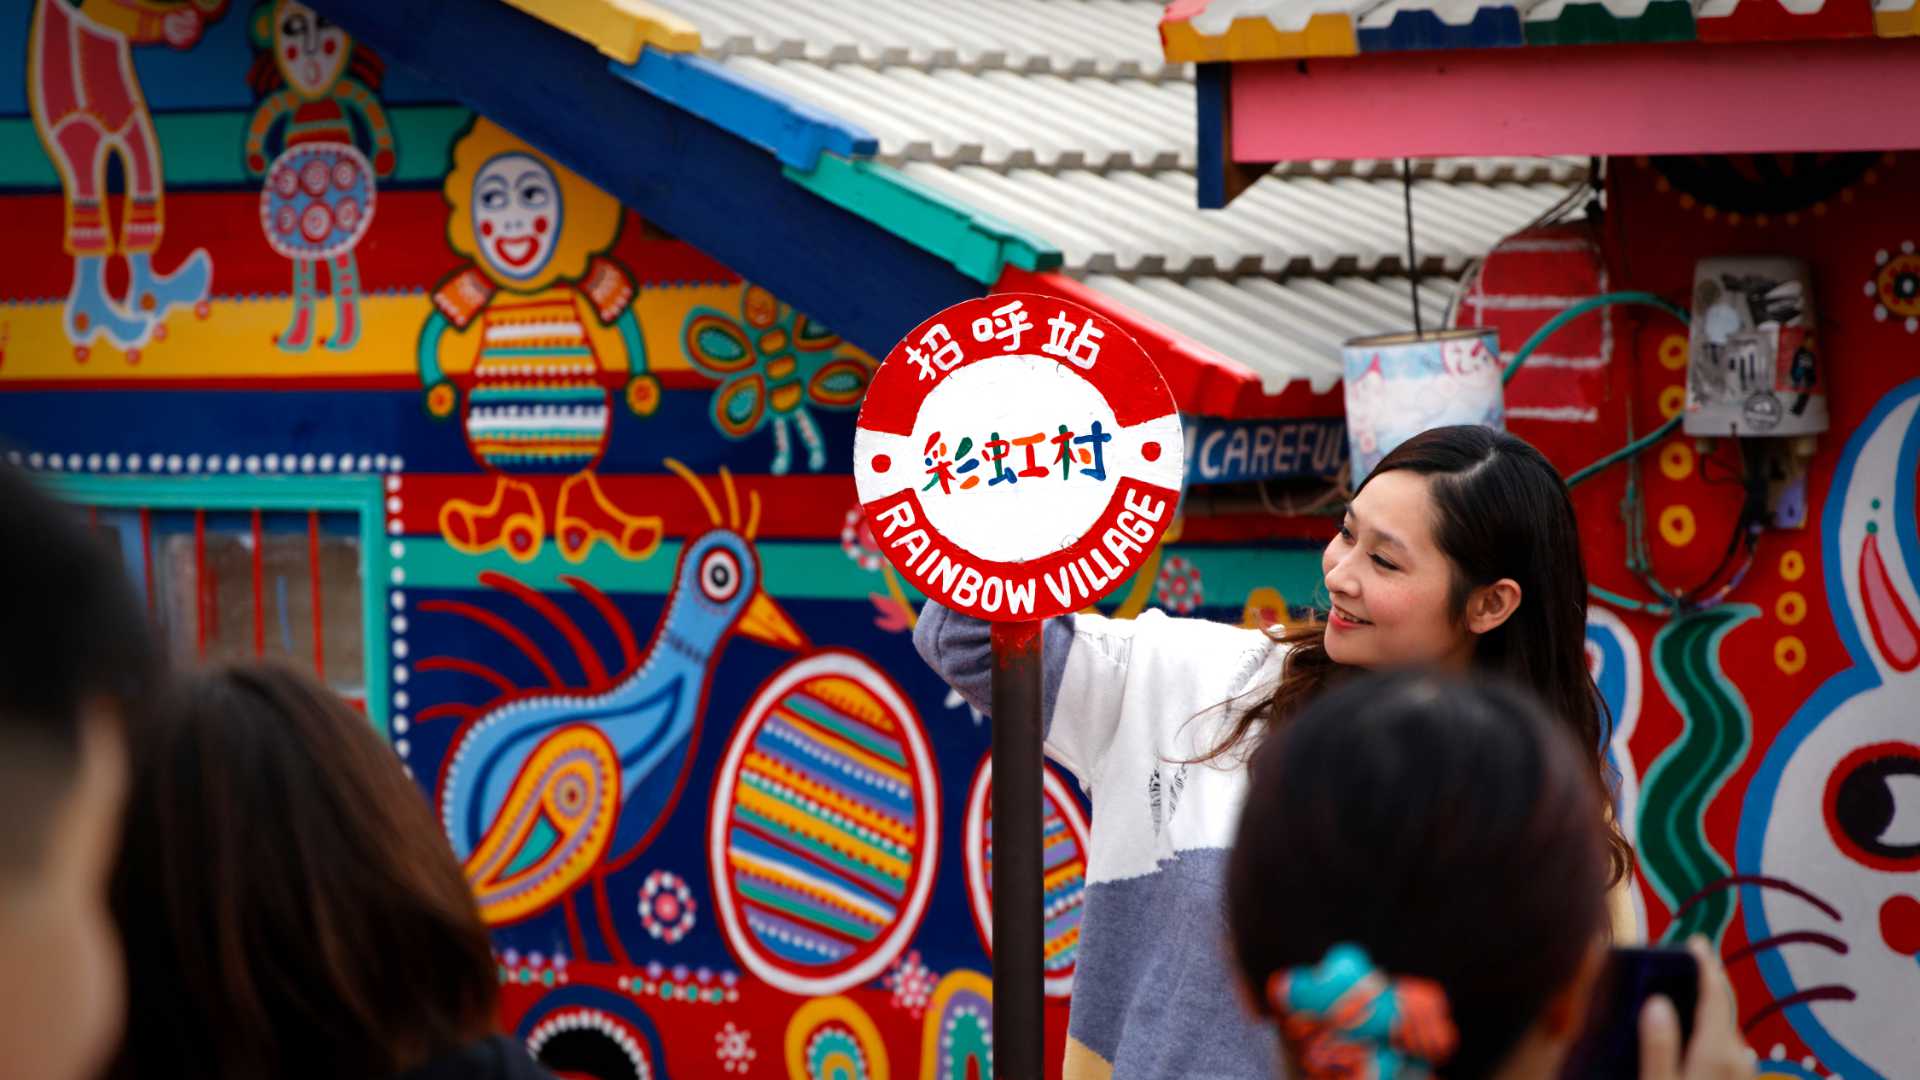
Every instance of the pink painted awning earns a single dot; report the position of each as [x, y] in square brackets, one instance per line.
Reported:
[1765, 97]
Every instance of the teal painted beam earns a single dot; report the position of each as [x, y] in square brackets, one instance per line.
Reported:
[820, 570]
[977, 244]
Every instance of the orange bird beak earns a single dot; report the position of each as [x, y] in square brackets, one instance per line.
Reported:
[765, 622]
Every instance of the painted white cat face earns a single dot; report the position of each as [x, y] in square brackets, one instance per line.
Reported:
[516, 214]
[1832, 819]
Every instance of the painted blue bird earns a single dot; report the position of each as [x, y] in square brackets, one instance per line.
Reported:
[547, 787]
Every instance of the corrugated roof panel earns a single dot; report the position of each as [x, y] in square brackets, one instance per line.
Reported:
[999, 119]
[1525, 170]
[1280, 330]
[1275, 359]
[1131, 223]
[1286, 16]
[1036, 112]
[1107, 38]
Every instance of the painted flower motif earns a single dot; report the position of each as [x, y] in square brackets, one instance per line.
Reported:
[734, 1047]
[643, 395]
[912, 983]
[856, 539]
[666, 907]
[1895, 287]
[772, 364]
[1178, 588]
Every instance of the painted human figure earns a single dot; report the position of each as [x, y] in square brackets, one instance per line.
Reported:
[318, 199]
[543, 328]
[87, 105]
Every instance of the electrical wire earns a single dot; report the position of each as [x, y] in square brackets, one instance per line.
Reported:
[1591, 303]
[1625, 452]
[1576, 196]
[1413, 262]
[1741, 545]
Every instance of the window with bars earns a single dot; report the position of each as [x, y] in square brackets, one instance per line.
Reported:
[236, 583]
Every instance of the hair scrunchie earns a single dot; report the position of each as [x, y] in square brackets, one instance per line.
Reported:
[1351, 1021]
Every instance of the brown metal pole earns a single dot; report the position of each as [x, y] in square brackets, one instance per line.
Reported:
[1018, 1043]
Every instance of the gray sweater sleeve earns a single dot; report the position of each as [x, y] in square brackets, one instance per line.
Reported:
[959, 648]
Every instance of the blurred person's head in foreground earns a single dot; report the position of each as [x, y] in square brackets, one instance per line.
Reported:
[75, 660]
[1419, 882]
[290, 906]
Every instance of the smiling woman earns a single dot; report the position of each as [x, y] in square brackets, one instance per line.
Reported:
[1386, 575]
[1459, 551]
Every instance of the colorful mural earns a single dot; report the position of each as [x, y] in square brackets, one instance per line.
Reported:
[614, 613]
[1768, 762]
[619, 614]
[87, 109]
[317, 94]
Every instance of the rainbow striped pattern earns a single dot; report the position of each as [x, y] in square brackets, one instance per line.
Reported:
[537, 402]
[1063, 884]
[824, 833]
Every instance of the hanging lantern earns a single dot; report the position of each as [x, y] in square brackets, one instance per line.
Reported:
[1398, 385]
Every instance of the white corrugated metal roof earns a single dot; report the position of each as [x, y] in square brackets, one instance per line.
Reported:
[1061, 118]
[1281, 330]
[1101, 38]
[1003, 119]
[1000, 119]
[1134, 223]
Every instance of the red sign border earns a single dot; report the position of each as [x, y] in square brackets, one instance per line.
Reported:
[1133, 389]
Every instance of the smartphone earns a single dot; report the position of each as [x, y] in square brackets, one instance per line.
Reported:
[1610, 1048]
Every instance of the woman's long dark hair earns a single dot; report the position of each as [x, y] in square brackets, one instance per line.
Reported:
[1447, 827]
[289, 906]
[1501, 511]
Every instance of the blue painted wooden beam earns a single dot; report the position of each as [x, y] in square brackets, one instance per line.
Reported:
[707, 186]
[1492, 26]
[1213, 155]
[1220, 177]
[796, 132]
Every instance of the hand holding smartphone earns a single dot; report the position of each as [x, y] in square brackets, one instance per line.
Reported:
[1661, 1014]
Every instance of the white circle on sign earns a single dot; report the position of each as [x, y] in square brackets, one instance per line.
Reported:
[1014, 398]
[949, 413]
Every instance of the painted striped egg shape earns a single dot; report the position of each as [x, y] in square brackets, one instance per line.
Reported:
[824, 830]
[1063, 868]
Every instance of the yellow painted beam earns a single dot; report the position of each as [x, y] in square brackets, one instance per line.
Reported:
[1255, 38]
[235, 342]
[1896, 18]
[618, 28]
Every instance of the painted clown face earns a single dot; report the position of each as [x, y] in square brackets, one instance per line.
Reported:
[310, 49]
[516, 214]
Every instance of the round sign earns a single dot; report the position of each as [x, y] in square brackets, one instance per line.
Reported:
[1018, 456]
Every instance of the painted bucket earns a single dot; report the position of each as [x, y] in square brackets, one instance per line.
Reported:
[317, 201]
[1399, 385]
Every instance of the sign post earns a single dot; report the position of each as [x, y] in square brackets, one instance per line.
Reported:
[1018, 457]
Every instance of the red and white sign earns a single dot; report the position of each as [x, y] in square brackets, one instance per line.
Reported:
[1018, 456]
